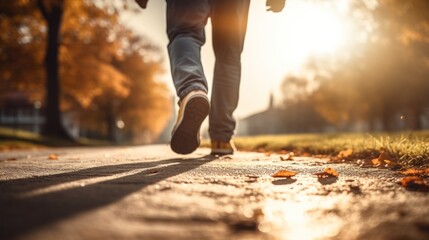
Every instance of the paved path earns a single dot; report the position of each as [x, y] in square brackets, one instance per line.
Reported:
[150, 193]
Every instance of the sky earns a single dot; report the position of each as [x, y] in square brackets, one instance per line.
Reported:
[276, 45]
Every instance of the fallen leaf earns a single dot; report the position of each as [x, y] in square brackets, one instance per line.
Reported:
[384, 160]
[413, 171]
[328, 172]
[267, 153]
[414, 184]
[331, 171]
[376, 162]
[383, 156]
[322, 175]
[53, 157]
[287, 157]
[392, 164]
[284, 173]
[345, 153]
[251, 178]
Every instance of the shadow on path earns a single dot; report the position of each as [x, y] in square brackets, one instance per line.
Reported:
[327, 181]
[21, 215]
[284, 181]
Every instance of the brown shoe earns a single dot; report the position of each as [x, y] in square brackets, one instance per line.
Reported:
[222, 148]
[194, 108]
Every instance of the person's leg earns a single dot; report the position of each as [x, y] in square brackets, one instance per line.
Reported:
[229, 21]
[186, 20]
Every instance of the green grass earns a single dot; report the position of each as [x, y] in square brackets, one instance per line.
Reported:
[409, 148]
[11, 139]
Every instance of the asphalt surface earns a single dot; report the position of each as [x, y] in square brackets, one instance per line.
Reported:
[150, 193]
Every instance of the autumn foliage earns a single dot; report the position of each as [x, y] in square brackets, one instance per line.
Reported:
[106, 72]
[377, 82]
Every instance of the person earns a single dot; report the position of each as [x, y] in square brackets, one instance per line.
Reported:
[186, 20]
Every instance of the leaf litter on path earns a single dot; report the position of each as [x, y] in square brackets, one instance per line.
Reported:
[414, 184]
[413, 171]
[327, 172]
[284, 174]
[345, 153]
[342, 156]
[287, 157]
[251, 178]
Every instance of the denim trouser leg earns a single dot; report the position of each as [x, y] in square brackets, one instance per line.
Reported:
[186, 20]
[229, 21]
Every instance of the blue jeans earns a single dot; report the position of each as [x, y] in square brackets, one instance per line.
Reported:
[186, 20]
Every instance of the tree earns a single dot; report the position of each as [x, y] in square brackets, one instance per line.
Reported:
[52, 12]
[148, 105]
[383, 77]
[93, 75]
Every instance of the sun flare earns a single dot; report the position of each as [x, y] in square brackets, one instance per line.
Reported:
[308, 29]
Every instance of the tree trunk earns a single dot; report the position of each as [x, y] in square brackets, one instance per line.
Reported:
[414, 121]
[53, 122]
[371, 124]
[111, 126]
[385, 119]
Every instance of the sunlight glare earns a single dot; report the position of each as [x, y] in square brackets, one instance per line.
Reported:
[302, 218]
[308, 29]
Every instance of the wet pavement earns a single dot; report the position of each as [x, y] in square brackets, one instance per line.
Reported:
[150, 193]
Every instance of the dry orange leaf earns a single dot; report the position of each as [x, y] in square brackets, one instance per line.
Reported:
[53, 157]
[384, 160]
[383, 156]
[414, 183]
[413, 171]
[328, 172]
[345, 153]
[284, 173]
[331, 171]
[376, 162]
[267, 153]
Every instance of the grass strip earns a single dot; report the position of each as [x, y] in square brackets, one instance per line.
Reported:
[408, 148]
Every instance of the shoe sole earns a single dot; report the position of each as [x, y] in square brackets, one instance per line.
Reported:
[221, 153]
[185, 138]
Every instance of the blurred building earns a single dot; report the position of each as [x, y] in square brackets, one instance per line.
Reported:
[18, 112]
[305, 119]
[268, 121]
